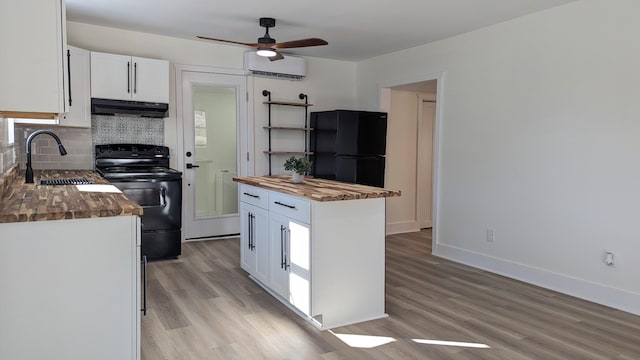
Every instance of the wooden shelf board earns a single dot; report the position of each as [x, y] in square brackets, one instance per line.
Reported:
[287, 128]
[288, 103]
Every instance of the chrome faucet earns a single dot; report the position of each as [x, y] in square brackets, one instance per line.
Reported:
[29, 174]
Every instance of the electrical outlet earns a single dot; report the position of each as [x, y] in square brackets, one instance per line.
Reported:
[491, 235]
[608, 258]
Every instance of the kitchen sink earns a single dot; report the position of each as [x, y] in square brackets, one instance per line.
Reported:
[66, 181]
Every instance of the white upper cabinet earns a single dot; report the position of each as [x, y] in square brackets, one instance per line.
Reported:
[79, 95]
[33, 61]
[150, 80]
[121, 77]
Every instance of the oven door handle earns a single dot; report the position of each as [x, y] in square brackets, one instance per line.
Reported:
[163, 197]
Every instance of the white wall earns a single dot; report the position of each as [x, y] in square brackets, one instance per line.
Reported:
[330, 84]
[539, 140]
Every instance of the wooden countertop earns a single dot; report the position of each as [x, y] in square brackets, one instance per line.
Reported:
[317, 189]
[21, 202]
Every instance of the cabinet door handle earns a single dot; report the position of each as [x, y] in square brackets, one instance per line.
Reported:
[69, 73]
[253, 231]
[287, 262]
[128, 77]
[282, 260]
[135, 78]
[144, 285]
[249, 230]
[251, 195]
[285, 205]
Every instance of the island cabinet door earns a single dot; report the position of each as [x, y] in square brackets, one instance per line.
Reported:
[290, 270]
[254, 241]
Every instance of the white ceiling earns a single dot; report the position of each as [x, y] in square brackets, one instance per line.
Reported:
[355, 29]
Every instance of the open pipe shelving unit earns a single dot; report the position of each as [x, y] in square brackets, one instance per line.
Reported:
[271, 127]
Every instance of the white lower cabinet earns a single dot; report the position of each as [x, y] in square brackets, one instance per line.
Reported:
[325, 259]
[70, 289]
[254, 254]
[290, 266]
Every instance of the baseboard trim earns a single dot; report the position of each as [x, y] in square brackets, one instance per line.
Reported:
[597, 293]
[402, 227]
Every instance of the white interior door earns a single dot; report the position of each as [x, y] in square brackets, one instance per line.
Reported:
[214, 122]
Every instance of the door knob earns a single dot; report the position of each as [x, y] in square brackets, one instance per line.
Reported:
[191, 166]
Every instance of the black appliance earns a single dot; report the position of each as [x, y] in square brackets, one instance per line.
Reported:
[142, 173]
[349, 146]
[129, 108]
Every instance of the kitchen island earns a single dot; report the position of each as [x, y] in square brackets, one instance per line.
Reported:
[318, 247]
[69, 269]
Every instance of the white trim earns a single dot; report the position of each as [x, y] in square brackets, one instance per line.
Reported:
[179, 156]
[251, 133]
[437, 136]
[209, 69]
[597, 293]
[413, 79]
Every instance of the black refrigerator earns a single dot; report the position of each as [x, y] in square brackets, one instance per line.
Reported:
[349, 146]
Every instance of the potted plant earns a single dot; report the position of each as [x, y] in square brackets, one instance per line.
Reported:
[298, 167]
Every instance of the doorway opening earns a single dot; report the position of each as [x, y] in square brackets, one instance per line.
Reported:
[412, 153]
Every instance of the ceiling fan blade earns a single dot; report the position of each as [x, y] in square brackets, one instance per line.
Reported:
[277, 56]
[230, 41]
[300, 43]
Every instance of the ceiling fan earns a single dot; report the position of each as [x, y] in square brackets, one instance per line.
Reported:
[267, 46]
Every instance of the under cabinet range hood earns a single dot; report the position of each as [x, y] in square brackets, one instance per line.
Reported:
[129, 108]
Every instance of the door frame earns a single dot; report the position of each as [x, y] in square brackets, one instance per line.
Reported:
[384, 87]
[245, 128]
[422, 160]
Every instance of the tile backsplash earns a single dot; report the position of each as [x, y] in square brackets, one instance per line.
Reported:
[124, 130]
[79, 142]
[44, 149]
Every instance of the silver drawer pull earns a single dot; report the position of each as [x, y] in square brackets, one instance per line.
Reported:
[285, 205]
[253, 196]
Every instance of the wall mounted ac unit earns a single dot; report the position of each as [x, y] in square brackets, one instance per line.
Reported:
[291, 67]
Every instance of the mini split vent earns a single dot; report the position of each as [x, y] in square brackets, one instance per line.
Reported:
[290, 68]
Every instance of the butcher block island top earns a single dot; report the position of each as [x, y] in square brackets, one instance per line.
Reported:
[21, 202]
[317, 189]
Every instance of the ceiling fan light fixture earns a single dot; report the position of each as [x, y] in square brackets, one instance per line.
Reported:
[266, 52]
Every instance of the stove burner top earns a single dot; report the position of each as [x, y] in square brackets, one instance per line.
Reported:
[135, 162]
[123, 173]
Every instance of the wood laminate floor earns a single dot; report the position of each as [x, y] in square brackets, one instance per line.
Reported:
[203, 306]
